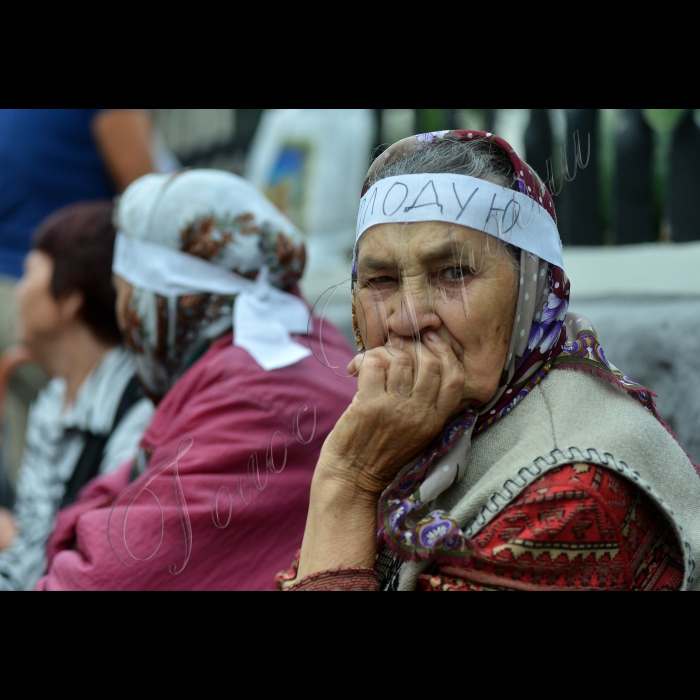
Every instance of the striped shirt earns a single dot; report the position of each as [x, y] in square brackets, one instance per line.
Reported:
[54, 442]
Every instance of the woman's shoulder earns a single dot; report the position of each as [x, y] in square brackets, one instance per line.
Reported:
[575, 417]
[566, 382]
[226, 388]
[591, 412]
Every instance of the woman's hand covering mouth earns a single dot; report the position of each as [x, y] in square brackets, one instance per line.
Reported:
[402, 403]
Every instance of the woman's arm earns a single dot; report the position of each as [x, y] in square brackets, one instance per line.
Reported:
[395, 414]
[123, 138]
[354, 579]
[23, 562]
[341, 526]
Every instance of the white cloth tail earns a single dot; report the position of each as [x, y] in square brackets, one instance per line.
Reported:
[263, 316]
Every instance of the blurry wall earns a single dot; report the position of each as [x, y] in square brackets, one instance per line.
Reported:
[311, 163]
[644, 301]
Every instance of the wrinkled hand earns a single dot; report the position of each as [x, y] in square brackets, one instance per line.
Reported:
[390, 421]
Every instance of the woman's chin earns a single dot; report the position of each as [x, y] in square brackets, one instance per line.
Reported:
[23, 340]
[28, 347]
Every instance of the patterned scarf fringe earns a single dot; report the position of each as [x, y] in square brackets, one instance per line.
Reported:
[396, 505]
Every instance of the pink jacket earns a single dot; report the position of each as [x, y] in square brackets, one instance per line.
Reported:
[218, 507]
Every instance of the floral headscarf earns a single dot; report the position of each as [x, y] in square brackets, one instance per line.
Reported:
[215, 216]
[543, 335]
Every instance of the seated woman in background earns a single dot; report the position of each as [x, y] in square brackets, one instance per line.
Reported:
[218, 494]
[89, 418]
[486, 465]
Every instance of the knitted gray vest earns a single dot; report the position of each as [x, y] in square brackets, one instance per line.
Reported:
[572, 416]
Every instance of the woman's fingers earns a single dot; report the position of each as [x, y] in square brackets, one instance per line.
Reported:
[451, 385]
[355, 364]
[402, 402]
[400, 373]
[427, 374]
[371, 380]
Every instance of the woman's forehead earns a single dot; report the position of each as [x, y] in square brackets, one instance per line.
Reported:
[426, 237]
[39, 260]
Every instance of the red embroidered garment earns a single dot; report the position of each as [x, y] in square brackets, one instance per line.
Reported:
[578, 527]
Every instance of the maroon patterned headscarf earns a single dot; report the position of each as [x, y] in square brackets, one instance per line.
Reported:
[543, 336]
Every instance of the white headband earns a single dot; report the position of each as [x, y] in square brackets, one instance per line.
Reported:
[511, 216]
[263, 316]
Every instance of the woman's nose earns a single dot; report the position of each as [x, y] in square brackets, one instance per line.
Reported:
[414, 312]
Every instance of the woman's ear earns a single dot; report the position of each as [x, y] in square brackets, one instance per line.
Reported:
[124, 290]
[70, 306]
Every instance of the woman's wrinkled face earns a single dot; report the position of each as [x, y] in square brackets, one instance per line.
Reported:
[431, 276]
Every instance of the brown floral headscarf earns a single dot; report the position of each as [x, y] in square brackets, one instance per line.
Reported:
[215, 216]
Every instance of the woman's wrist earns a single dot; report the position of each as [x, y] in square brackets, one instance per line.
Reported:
[341, 526]
[349, 477]
[335, 491]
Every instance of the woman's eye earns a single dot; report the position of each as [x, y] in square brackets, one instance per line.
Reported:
[454, 273]
[383, 279]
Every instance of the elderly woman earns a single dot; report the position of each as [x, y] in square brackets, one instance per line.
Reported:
[89, 418]
[206, 271]
[486, 464]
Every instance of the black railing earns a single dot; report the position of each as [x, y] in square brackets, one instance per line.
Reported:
[633, 217]
[637, 215]
[683, 182]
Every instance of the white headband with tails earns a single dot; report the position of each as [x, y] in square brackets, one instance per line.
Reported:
[511, 216]
[263, 316]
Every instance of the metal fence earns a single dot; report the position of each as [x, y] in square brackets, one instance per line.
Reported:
[209, 138]
[638, 182]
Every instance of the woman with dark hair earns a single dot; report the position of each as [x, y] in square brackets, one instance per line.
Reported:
[90, 416]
